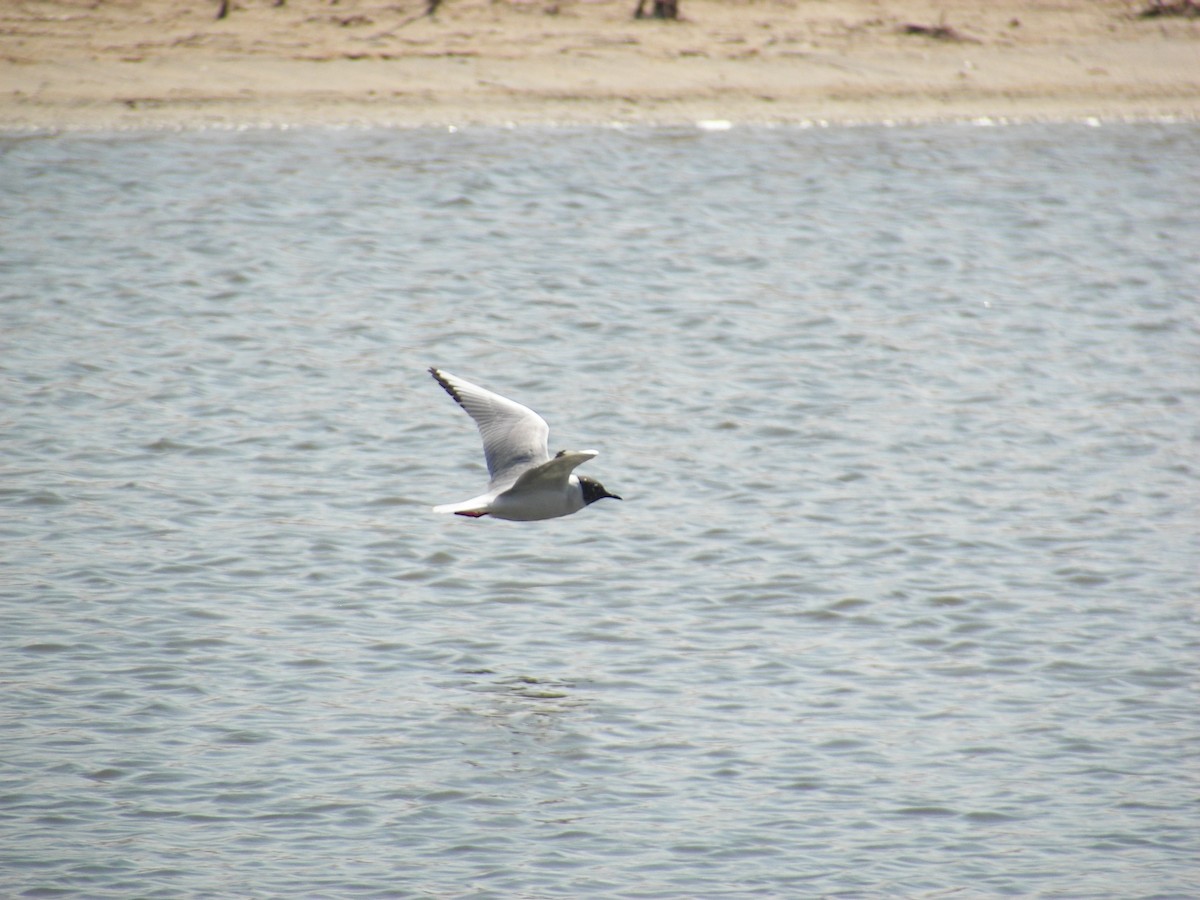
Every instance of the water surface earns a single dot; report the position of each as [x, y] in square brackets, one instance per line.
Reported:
[902, 600]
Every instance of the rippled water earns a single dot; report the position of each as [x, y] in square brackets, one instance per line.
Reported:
[902, 600]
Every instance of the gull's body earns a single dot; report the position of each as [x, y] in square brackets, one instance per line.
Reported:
[526, 482]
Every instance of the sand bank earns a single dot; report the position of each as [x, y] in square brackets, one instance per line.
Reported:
[173, 63]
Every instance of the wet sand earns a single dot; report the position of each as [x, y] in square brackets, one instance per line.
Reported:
[173, 63]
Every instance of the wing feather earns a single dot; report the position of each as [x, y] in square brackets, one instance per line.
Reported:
[514, 436]
[554, 472]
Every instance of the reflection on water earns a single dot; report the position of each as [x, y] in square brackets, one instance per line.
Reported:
[901, 599]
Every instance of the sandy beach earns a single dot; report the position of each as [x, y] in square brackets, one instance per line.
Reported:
[174, 63]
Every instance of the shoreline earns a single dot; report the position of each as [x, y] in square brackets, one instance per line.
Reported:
[69, 65]
[185, 121]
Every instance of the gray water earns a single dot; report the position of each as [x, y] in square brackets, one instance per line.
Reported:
[901, 601]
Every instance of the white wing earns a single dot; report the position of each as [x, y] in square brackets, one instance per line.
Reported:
[514, 436]
[553, 473]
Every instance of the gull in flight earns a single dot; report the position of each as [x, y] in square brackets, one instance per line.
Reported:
[527, 483]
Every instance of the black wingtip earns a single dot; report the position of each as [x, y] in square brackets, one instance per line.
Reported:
[446, 385]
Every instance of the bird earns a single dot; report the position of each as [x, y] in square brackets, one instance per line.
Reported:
[527, 483]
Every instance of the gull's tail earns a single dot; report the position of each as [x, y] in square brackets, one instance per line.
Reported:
[475, 507]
